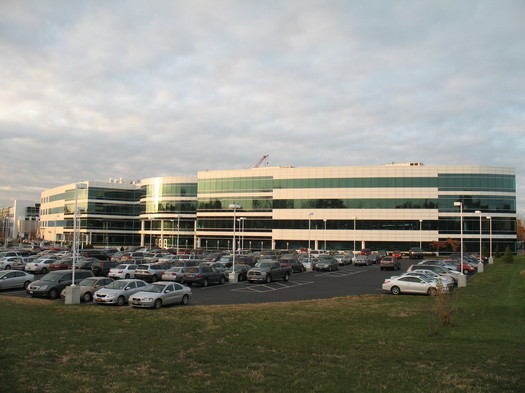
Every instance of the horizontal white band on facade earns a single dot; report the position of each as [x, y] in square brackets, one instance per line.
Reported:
[360, 214]
[478, 193]
[355, 193]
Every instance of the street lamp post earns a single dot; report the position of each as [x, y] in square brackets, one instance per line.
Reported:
[242, 221]
[355, 218]
[72, 295]
[325, 234]
[233, 277]
[310, 267]
[480, 264]
[420, 235]
[462, 279]
[178, 232]
[491, 259]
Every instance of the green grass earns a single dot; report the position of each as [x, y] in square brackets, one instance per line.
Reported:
[353, 344]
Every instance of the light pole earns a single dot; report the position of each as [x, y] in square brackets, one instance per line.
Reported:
[233, 277]
[355, 218]
[325, 234]
[491, 259]
[420, 235]
[480, 264]
[462, 280]
[178, 232]
[242, 221]
[310, 267]
[72, 295]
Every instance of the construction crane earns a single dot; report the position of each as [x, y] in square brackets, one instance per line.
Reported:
[258, 163]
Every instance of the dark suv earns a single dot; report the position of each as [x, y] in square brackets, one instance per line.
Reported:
[99, 254]
[52, 284]
[102, 268]
[203, 275]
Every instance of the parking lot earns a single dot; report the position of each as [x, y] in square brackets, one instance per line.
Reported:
[349, 280]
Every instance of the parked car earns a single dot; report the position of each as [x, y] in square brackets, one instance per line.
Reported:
[416, 253]
[161, 293]
[437, 269]
[391, 263]
[174, 274]
[118, 292]
[204, 275]
[397, 254]
[52, 284]
[344, 259]
[61, 264]
[102, 268]
[366, 251]
[123, 270]
[327, 263]
[150, 272]
[292, 261]
[15, 279]
[362, 260]
[7, 263]
[240, 269]
[95, 253]
[445, 280]
[89, 286]
[39, 265]
[268, 270]
[411, 284]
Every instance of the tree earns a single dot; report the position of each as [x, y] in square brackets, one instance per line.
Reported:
[454, 244]
[520, 230]
[507, 256]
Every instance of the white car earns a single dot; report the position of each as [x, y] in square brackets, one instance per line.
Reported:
[446, 280]
[124, 270]
[160, 293]
[7, 263]
[118, 292]
[411, 284]
[15, 279]
[40, 265]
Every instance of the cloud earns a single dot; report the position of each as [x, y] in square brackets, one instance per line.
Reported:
[93, 90]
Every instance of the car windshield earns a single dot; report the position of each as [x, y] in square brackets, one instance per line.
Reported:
[157, 288]
[51, 277]
[119, 284]
[88, 282]
[265, 264]
[121, 267]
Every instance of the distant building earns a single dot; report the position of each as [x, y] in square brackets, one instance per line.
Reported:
[19, 221]
[396, 206]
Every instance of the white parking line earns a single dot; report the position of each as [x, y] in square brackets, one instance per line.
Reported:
[274, 286]
[340, 273]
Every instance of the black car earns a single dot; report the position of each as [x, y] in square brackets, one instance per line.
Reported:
[102, 268]
[52, 284]
[99, 254]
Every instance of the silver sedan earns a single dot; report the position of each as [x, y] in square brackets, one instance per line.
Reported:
[160, 293]
[15, 279]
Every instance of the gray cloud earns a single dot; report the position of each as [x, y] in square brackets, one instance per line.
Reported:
[93, 90]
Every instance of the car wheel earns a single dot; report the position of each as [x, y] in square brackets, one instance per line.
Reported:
[268, 278]
[53, 293]
[395, 290]
[44, 270]
[465, 272]
[223, 280]
[183, 281]
[432, 291]
[127, 276]
[205, 282]
[239, 278]
[26, 284]
[382, 268]
[8, 267]
[286, 276]
[121, 301]
[154, 278]
[87, 297]
[185, 300]
[157, 304]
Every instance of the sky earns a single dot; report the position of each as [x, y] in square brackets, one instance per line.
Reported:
[92, 90]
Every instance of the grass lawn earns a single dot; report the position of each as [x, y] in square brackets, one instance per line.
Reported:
[380, 343]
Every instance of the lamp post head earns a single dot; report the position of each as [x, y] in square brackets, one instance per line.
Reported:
[458, 204]
[235, 206]
[478, 212]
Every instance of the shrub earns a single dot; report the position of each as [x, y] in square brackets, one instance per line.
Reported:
[507, 256]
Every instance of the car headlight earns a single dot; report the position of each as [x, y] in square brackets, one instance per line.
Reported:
[147, 299]
[43, 287]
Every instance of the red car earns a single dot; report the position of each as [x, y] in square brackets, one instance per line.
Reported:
[397, 254]
[61, 264]
[366, 251]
